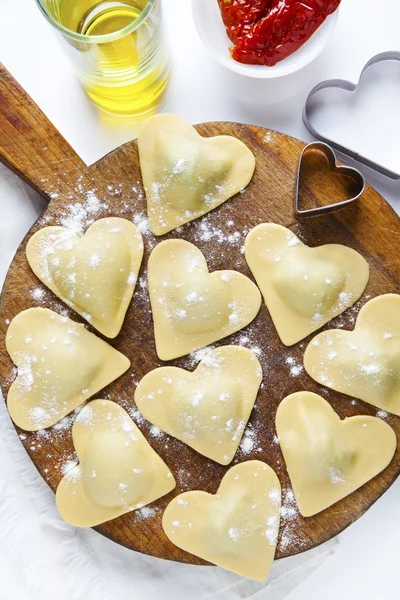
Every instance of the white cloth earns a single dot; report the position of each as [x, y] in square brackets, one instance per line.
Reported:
[35, 542]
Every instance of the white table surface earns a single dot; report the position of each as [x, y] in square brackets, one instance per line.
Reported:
[365, 564]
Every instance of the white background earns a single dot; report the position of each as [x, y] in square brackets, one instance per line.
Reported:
[365, 564]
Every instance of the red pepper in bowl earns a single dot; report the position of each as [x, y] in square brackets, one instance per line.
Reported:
[267, 31]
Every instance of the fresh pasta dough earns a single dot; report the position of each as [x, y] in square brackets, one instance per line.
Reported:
[192, 307]
[303, 287]
[94, 274]
[326, 458]
[207, 409]
[185, 175]
[118, 470]
[60, 365]
[363, 363]
[237, 528]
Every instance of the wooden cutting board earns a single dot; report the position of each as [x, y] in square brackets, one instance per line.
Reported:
[34, 149]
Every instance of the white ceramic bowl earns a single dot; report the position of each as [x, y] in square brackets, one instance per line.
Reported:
[211, 29]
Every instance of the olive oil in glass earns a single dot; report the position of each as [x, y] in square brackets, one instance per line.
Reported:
[118, 50]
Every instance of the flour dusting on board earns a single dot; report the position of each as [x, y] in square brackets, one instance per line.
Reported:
[295, 369]
[147, 512]
[288, 526]
[206, 232]
[142, 222]
[249, 441]
[78, 217]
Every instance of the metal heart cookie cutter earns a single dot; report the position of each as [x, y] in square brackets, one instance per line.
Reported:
[348, 86]
[350, 172]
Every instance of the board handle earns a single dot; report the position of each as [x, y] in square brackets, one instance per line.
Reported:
[31, 146]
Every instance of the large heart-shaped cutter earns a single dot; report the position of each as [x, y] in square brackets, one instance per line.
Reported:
[348, 86]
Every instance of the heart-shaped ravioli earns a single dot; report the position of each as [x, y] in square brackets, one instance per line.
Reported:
[95, 274]
[118, 470]
[192, 307]
[207, 409]
[303, 287]
[237, 528]
[60, 365]
[364, 363]
[185, 175]
[326, 458]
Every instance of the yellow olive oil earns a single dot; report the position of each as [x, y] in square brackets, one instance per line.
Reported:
[124, 68]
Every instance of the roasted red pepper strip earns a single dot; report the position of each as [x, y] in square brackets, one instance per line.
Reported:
[239, 15]
[267, 32]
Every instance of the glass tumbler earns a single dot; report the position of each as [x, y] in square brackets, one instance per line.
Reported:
[118, 50]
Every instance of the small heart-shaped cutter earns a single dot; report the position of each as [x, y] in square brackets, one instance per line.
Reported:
[355, 175]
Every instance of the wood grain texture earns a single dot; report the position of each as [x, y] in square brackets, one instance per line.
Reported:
[30, 145]
[370, 226]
